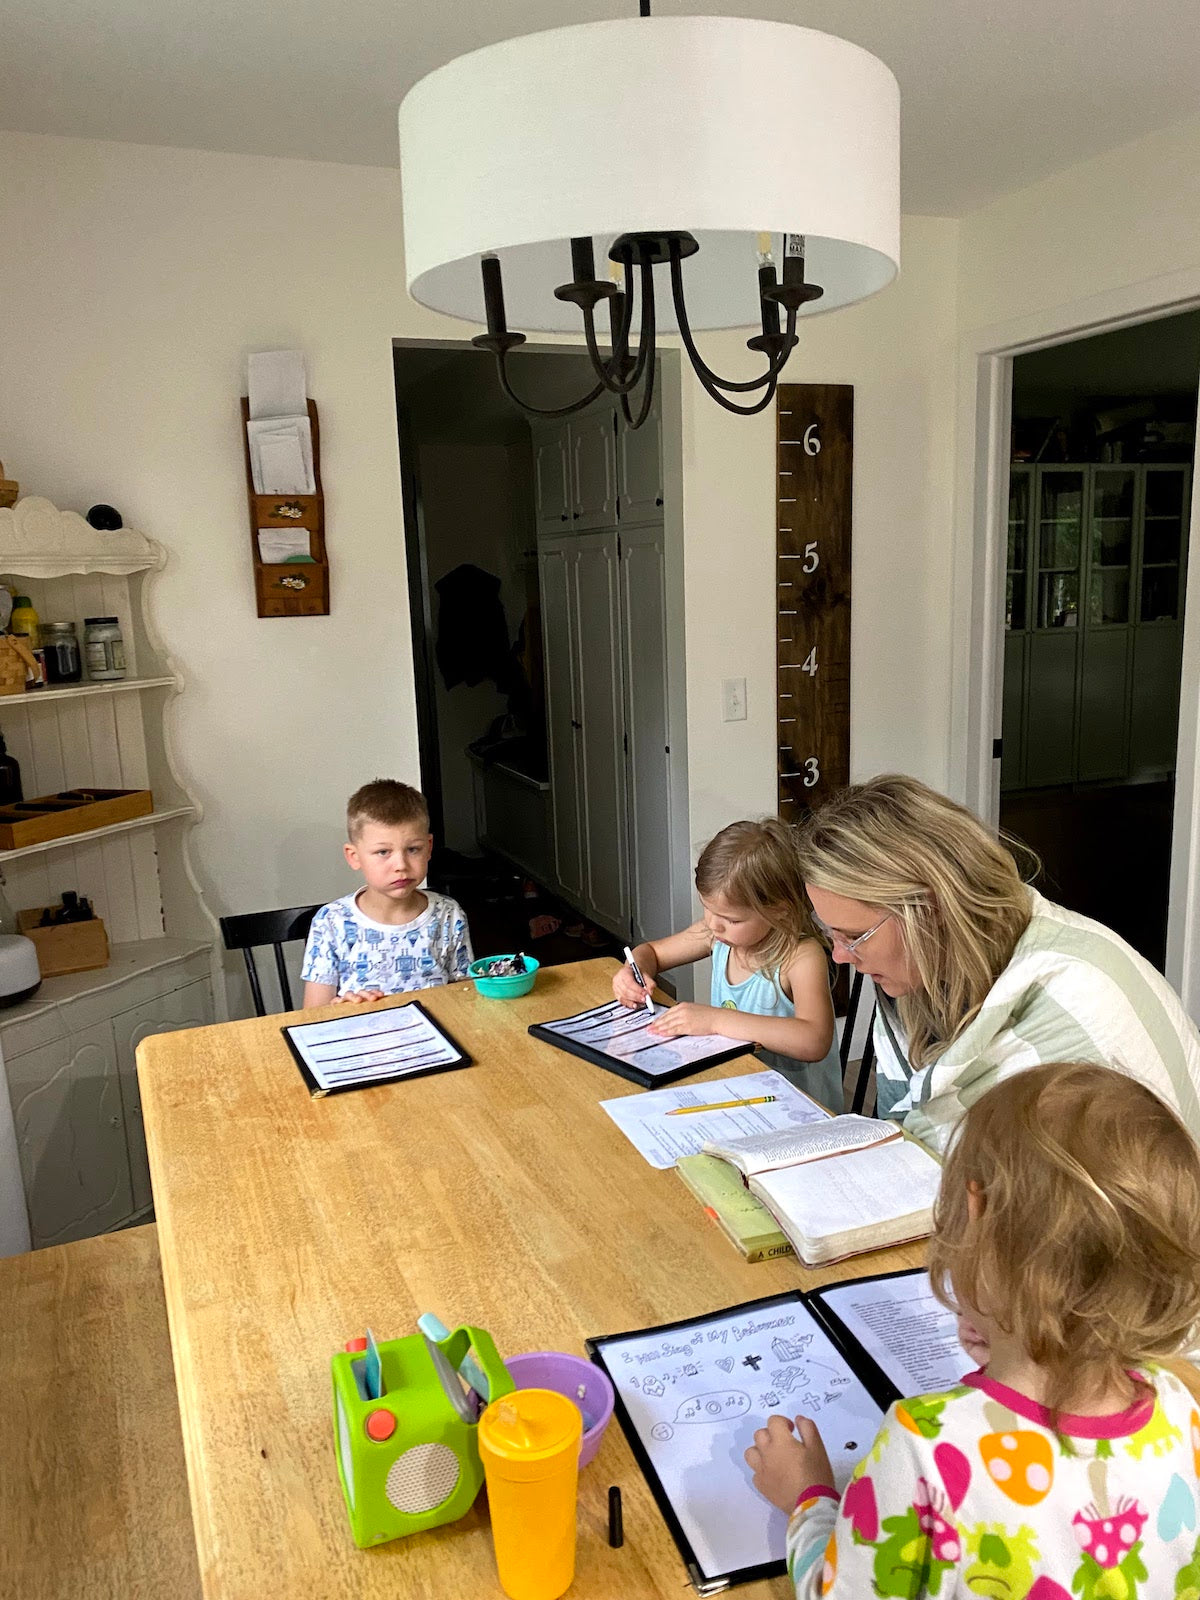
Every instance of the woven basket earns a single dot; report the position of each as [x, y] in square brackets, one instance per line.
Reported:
[16, 663]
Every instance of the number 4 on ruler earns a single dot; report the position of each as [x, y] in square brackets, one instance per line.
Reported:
[809, 664]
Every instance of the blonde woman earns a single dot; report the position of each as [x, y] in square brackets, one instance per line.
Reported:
[978, 975]
[770, 976]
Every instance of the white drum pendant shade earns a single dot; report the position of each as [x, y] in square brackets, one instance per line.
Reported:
[718, 126]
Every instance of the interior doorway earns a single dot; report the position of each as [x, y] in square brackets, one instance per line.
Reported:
[1100, 485]
[543, 562]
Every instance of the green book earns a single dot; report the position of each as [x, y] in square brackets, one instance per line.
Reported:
[721, 1191]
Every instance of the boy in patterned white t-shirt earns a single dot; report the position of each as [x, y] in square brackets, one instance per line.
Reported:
[391, 936]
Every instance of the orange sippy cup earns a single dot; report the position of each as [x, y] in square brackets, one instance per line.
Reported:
[529, 1445]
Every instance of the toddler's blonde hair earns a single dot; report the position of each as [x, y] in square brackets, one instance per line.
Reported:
[754, 865]
[1087, 1249]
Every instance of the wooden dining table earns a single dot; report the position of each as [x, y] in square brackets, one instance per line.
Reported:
[500, 1195]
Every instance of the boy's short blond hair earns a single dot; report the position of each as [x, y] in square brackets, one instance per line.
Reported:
[1087, 1248]
[387, 802]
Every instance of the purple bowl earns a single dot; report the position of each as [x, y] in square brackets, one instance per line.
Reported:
[576, 1378]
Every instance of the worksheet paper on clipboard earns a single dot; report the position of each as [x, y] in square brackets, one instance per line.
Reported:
[692, 1395]
[359, 1048]
[647, 1120]
[618, 1039]
[908, 1333]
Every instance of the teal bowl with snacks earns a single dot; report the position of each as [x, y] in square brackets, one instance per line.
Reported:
[500, 977]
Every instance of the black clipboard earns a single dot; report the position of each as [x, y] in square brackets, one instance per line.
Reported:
[872, 1377]
[462, 1059]
[549, 1034]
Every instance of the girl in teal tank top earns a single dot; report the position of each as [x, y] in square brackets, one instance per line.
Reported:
[770, 975]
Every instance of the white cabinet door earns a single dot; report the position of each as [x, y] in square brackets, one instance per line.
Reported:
[556, 563]
[639, 468]
[189, 1007]
[551, 476]
[593, 472]
[644, 651]
[603, 732]
[66, 1102]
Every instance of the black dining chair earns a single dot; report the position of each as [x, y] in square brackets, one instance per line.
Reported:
[863, 1083]
[250, 931]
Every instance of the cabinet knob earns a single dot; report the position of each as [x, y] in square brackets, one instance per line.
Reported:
[114, 1122]
[563, 517]
[658, 502]
[575, 724]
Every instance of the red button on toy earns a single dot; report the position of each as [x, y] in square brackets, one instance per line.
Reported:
[381, 1425]
[355, 1347]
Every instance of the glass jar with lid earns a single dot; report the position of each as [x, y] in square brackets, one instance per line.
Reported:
[63, 663]
[103, 648]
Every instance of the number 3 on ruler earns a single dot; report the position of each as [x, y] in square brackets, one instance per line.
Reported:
[812, 772]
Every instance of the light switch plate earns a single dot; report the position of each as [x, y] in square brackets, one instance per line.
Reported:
[733, 700]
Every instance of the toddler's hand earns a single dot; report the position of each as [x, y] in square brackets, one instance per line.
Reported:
[973, 1342]
[627, 989]
[359, 997]
[786, 1458]
[686, 1018]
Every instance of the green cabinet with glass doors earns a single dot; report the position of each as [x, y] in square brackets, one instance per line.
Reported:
[1093, 622]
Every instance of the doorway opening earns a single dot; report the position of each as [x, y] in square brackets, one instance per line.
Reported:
[545, 592]
[1099, 502]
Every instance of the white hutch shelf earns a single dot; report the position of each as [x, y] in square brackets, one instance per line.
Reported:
[68, 1051]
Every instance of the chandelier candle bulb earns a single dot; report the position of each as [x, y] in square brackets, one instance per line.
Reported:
[583, 260]
[770, 308]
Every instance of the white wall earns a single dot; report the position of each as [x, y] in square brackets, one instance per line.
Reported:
[135, 280]
[1126, 217]
[898, 351]
[1110, 240]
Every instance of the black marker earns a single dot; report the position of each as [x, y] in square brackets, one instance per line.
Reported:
[616, 1531]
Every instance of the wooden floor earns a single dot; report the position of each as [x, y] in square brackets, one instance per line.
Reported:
[93, 1489]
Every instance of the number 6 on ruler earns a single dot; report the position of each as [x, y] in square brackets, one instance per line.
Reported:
[812, 772]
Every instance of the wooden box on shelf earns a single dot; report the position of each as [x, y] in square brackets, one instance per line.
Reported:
[290, 588]
[57, 816]
[65, 946]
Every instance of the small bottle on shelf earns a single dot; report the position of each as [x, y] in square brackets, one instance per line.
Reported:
[103, 648]
[10, 777]
[25, 620]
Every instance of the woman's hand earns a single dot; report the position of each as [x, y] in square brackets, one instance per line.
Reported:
[687, 1018]
[359, 997]
[975, 1343]
[786, 1458]
[628, 990]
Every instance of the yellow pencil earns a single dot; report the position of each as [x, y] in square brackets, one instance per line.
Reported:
[722, 1105]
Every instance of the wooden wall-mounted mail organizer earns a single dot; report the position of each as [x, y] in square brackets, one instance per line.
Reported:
[289, 588]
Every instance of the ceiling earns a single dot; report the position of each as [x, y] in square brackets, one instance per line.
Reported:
[996, 93]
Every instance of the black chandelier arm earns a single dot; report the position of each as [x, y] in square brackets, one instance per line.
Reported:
[538, 411]
[741, 411]
[646, 343]
[704, 372]
[609, 371]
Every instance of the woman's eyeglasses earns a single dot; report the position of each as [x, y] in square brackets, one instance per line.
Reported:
[849, 946]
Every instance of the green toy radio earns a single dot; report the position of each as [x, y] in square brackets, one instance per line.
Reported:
[405, 1426]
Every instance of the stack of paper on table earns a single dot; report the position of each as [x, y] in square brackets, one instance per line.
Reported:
[669, 1123]
[840, 1187]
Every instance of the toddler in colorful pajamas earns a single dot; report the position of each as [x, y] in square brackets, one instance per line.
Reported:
[1067, 1238]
